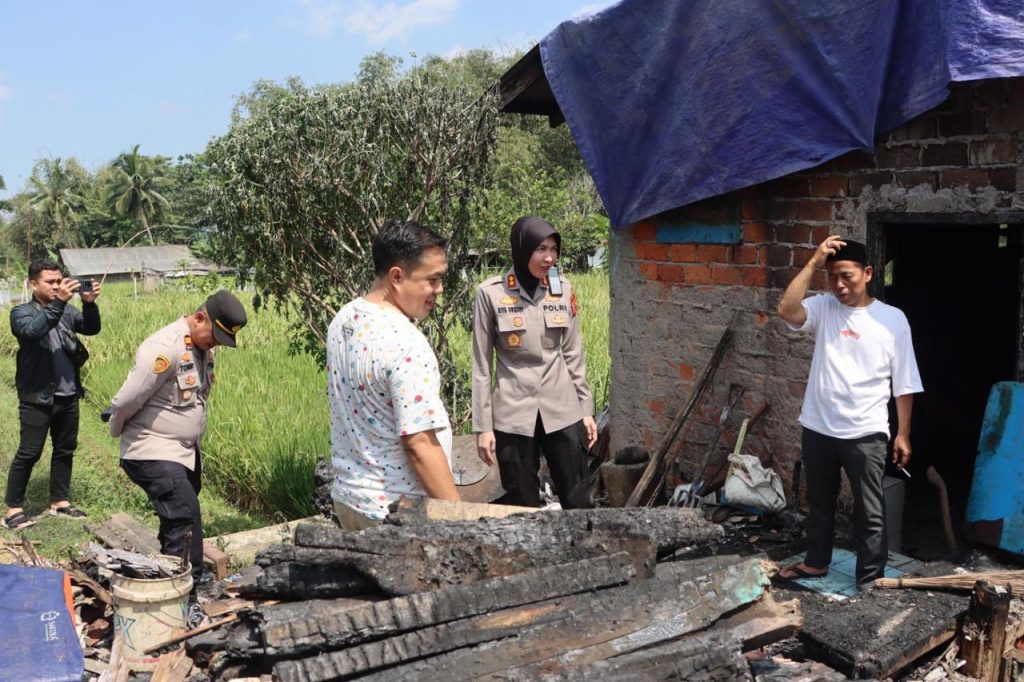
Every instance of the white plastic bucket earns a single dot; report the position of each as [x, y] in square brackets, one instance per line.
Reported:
[149, 611]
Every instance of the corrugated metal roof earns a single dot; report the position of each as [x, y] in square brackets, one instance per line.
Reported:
[110, 260]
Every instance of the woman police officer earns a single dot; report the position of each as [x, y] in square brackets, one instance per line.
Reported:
[539, 402]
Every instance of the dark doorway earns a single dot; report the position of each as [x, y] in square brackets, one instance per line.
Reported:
[959, 283]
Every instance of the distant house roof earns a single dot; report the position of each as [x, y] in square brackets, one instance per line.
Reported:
[166, 259]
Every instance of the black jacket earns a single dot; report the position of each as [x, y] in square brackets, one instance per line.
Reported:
[31, 323]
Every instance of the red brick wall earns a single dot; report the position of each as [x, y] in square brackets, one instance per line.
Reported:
[671, 302]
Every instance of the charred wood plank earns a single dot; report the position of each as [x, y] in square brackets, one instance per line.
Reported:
[423, 556]
[984, 631]
[882, 630]
[764, 622]
[554, 635]
[711, 656]
[668, 527]
[293, 574]
[334, 628]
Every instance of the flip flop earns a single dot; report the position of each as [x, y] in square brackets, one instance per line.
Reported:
[17, 521]
[798, 573]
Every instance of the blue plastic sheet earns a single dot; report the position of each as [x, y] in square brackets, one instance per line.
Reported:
[40, 642]
[995, 509]
[673, 101]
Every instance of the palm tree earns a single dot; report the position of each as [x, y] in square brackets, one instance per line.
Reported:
[55, 194]
[134, 189]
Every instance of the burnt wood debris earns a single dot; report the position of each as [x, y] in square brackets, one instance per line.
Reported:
[619, 594]
[567, 595]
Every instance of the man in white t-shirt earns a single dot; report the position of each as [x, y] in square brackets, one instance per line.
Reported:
[863, 354]
[390, 434]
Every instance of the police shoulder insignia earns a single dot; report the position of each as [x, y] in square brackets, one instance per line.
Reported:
[558, 319]
[517, 321]
[572, 303]
[511, 281]
[514, 340]
[190, 380]
[161, 364]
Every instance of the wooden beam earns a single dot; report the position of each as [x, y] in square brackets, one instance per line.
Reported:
[984, 632]
[243, 546]
[647, 488]
[348, 626]
[554, 637]
[329, 562]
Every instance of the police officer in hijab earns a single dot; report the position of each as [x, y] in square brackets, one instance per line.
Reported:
[526, 333]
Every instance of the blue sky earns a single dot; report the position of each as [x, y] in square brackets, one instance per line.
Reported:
[91, 79]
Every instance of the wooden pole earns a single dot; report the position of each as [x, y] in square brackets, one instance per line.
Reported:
[984, 632]
[647, 489]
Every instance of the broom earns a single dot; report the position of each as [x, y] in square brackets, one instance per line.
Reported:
[960, 581]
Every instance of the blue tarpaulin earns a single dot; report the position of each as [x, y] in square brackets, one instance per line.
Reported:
[673, 101]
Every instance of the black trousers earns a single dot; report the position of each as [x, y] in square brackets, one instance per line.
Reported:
[61, 421]
[863, 460]
[174, 492]
[519, 465]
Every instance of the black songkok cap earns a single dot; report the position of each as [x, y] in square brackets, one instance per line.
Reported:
[228, 316]
[854, 251]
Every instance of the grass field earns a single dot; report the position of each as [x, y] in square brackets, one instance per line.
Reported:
[267, 423]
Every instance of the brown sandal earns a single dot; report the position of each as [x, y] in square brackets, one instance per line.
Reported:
[797, 571]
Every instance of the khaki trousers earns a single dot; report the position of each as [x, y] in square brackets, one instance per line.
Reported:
[352, 520]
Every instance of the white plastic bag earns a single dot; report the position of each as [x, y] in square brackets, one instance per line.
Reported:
[751, 485]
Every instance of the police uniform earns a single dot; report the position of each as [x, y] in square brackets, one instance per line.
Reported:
[160, 415]
[540, 393]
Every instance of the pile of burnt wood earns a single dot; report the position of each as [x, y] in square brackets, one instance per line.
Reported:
[563, 595]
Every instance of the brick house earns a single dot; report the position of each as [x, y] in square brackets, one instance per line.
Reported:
[941, 206]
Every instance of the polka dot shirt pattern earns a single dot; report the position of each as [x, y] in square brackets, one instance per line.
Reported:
[382, 383]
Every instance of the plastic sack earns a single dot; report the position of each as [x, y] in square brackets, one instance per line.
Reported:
[40, 639]
[750, 484]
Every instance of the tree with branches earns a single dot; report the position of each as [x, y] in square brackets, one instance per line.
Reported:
[299, 187]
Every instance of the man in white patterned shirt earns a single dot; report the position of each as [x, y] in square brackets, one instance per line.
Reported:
[390, 433]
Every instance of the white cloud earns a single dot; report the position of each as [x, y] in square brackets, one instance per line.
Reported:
[377, 20]
[322, 17]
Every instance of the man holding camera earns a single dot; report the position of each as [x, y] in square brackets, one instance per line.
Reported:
[48, 379]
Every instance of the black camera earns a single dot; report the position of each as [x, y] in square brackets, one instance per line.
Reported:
[85, 286]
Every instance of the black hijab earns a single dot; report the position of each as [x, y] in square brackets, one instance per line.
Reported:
[527, 234]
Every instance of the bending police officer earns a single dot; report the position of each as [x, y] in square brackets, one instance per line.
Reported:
[160, 415]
